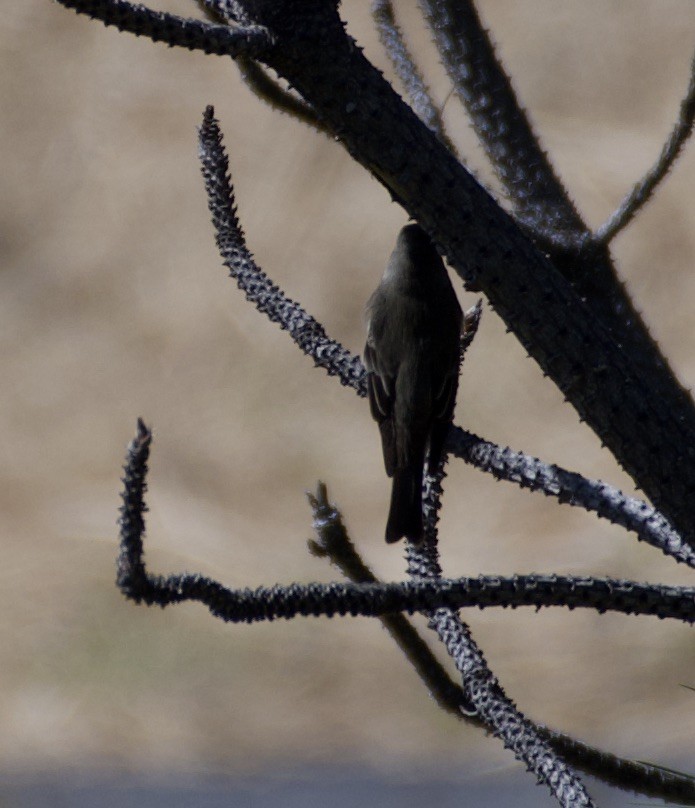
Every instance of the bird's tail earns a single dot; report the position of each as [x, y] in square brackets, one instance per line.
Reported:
[405, 513]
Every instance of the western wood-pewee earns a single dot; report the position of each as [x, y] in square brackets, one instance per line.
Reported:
[412, 357]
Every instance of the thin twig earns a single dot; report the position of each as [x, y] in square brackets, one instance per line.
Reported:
[160, 26]
[223, 12]
[643, 190]
[268, 90]
[393, 42]
[471, 322]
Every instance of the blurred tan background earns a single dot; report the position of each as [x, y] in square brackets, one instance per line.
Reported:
[114, 304]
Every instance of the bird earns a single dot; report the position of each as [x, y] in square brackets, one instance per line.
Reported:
[412, 357]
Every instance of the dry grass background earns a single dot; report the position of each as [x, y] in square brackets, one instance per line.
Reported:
[113, 304]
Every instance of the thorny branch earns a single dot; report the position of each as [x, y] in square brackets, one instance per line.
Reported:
[403, 63]
[257, 78]
[333, 543]
[481, 688]
[371, 597]
[159, 26]
[371, 600]
[503, 128]
[609, 370]
[506, 464]
[565, 303]
[425, 593]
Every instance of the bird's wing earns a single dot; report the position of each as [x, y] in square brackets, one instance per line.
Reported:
[380, 389]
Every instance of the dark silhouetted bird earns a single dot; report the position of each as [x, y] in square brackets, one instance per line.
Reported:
[412, 357]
